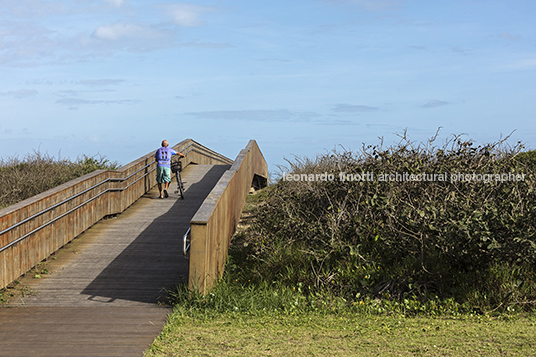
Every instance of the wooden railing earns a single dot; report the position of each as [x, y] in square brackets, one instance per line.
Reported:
[215, 222]
[32, 230]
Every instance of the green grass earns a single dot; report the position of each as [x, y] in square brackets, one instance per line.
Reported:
[316, 334]
[270, 319]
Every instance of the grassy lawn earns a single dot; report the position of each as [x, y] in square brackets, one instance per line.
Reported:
[315, 334]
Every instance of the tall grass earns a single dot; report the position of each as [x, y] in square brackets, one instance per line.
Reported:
[37, 172]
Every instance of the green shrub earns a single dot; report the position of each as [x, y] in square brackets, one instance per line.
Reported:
[471, 241]
[527, 157]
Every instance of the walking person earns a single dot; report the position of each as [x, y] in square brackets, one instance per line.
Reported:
[163, 167]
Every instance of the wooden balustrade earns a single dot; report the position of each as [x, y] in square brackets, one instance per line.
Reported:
[32, 230]
[215, 222]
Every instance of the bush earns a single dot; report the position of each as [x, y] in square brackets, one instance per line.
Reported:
[38, 172]
[469, 238]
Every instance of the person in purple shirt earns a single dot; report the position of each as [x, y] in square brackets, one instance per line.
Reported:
[163, 167]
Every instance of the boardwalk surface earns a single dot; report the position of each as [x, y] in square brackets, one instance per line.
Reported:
[102, 295]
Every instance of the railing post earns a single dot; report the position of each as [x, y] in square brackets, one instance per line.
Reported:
[198, 257]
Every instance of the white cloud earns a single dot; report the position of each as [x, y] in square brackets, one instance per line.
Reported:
[379, 4]
[187, 14]
[509, 36]
[100, 82]
[526, 64]
[434, 103]
[206, 45]
[277, 115]
[33, 8]
[116, 3]
[124, 37]
[74, 103]
[349, 108]
[40, 32]
[374, 5]
[77, 101]
[117, 31]
[461, 51]
[21, 93]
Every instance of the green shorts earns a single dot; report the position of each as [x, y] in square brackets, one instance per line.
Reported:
[163, 174]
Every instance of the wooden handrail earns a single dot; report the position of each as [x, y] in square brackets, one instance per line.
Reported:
[215, 222]
[33, 229]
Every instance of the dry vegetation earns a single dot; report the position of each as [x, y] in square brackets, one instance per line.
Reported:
[23, 178]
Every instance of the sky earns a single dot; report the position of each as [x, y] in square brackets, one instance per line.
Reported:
[113, 78]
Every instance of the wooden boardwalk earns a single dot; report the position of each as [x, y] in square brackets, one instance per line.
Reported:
[103, 294]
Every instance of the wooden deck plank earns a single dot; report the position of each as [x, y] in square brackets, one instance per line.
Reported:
[79, 331]
[101, 294]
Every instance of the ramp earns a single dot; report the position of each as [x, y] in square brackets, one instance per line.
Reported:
[103, 294]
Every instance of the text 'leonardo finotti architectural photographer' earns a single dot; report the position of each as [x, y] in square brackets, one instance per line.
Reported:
[405, 177]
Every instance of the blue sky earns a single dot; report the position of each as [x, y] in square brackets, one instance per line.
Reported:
[302, 77]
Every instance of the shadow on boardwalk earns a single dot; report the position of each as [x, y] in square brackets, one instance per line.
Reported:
[153, 262]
